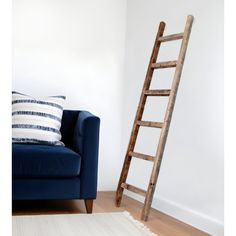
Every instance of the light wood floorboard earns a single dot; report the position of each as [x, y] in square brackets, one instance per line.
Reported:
[158, 222]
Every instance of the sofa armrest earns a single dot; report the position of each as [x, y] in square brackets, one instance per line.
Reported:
[86, 143]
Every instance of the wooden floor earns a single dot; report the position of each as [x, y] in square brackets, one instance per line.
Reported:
[158, 222]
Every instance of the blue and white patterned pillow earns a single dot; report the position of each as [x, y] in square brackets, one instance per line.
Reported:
[36, 120]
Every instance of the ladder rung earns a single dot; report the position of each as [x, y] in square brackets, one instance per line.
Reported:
[141, 156]
[134, 189]
[165, 64]
[150, 124]
[171, 37]
[158, 92]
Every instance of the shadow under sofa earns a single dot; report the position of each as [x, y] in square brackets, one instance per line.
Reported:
[44, 172]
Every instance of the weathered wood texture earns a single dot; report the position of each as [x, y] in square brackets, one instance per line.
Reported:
[158, 92]
[141, 156]
[171, 37]
[167, 120]
[150, 124]
[134, 189]
[164, 64]
[139, 115]
[163, 125]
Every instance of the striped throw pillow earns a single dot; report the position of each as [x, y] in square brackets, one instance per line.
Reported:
[36, 120]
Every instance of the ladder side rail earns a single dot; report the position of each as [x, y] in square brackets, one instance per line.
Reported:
[139, 113]
[167, 120]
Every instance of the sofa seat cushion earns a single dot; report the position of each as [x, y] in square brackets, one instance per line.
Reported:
[43, 161]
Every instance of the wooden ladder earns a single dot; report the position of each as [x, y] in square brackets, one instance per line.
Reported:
[164, 126]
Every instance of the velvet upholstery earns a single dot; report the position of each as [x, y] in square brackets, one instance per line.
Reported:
[44, 161]
[46, 189]
[68, 172]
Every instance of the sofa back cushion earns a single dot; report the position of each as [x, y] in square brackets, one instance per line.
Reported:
[69, 120]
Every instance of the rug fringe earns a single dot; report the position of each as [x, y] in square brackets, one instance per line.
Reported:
[139, 224]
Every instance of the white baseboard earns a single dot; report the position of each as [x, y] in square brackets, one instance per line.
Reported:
[187, 215]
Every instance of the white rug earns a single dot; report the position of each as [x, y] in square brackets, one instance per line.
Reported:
[99, 224]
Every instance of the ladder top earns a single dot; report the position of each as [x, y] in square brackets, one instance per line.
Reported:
[171, 37]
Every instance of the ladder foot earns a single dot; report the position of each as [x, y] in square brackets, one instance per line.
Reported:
[144, 218]
[118, 199]
[117, 203]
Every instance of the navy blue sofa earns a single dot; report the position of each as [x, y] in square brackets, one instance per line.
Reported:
[44, 172]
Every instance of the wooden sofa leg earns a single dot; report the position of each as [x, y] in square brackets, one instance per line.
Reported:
[89, 205]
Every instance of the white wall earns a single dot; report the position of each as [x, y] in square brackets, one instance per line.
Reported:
[190, 186]
[76, 48]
